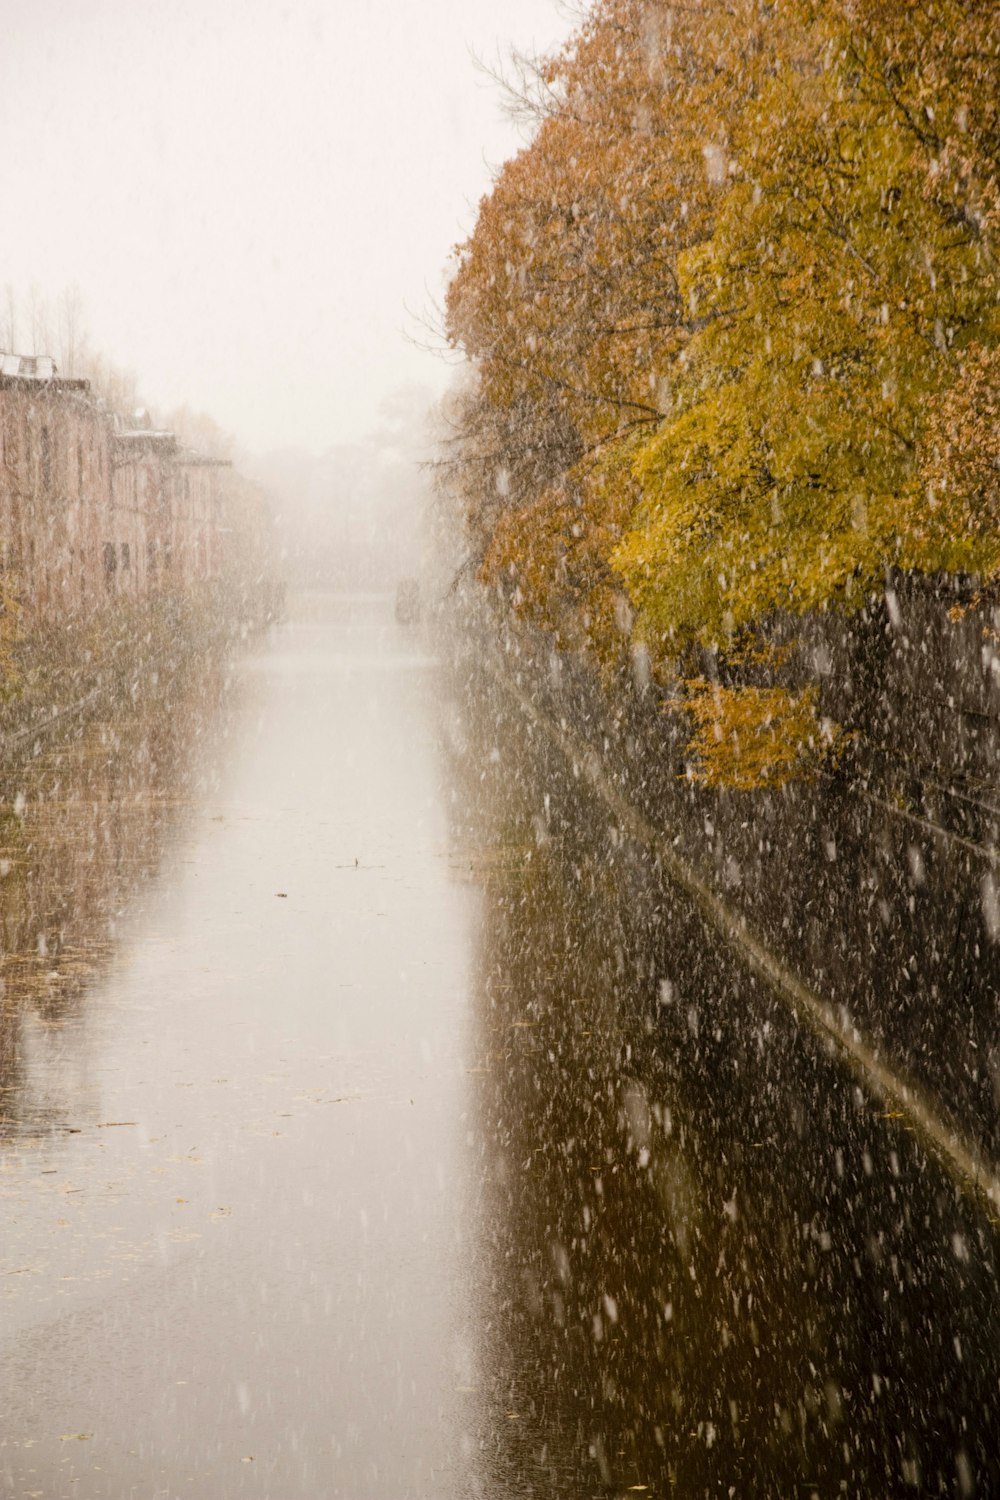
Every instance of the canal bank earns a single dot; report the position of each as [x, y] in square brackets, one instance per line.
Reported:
[868, 891]
[122, 659]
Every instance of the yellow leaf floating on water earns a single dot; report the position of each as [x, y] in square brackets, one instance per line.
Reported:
[78, 1437]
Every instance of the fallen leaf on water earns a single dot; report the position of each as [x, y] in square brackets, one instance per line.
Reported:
[79, 1437]
[115, 1124]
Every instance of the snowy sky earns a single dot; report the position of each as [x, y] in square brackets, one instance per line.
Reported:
[250, 193]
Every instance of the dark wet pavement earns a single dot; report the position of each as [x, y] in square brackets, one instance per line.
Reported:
[372, 1127]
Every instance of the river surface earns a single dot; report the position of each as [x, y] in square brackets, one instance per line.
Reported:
[358, 1138]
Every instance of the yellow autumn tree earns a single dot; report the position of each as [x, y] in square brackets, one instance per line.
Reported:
[835, 291]
[739, 295]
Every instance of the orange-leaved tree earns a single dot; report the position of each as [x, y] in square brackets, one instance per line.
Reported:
[566, 297]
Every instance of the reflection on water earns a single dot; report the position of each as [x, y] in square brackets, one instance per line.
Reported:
[83, 823]
[710, 1265]
[376, 1124]
[237, 1270]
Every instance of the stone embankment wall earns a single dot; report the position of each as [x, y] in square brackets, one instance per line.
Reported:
[878, 881]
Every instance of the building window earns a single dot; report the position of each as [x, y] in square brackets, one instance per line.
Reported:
[126, 555]
[79, 468]
[110, 563]
[46, 460]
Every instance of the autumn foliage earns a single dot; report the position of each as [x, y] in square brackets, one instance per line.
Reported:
[734, 325]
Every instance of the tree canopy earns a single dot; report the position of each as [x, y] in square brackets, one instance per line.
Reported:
[733, 317]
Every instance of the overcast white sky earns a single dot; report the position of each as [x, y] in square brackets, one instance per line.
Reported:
[250, 193]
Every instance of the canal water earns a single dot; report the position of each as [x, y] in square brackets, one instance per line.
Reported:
[372, 1123]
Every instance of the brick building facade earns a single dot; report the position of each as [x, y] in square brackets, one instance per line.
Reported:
[89, 508]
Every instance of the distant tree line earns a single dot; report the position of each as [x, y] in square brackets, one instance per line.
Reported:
[733, 328]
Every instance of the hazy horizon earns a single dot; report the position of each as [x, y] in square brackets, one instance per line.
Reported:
[256, 202]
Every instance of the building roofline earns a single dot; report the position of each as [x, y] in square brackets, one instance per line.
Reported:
[136, 436]
[191, 459]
